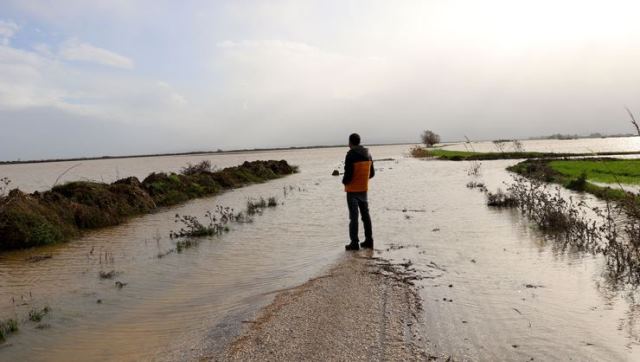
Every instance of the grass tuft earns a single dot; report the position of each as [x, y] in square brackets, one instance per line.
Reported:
[36, 315]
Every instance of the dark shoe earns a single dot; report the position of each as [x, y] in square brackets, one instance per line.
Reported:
[352, 247]
[366, 244]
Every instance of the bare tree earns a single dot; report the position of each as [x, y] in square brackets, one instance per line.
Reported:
[633, 121]
[430, 138]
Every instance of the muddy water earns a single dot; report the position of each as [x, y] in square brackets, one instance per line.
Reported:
[514, 295]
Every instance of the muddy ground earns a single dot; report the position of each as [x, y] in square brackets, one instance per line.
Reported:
[363, 309]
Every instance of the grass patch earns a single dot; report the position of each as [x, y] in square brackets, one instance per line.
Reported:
[451, 155]
[28, 220]
[611, 171]
[576, 174]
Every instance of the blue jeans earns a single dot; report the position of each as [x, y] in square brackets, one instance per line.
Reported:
[357, 201]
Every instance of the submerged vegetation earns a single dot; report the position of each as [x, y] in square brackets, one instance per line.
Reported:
[612, 230]
[36, 315]
[41, 218]
[192, 230]
[11, 325]
[192, 227]
[257, 206]
[7, 327]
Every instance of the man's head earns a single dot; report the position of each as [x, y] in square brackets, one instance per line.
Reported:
[354, 140]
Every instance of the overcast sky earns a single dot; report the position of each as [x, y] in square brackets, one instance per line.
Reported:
[85, 78]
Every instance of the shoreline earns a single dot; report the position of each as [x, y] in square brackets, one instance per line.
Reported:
[363, 308]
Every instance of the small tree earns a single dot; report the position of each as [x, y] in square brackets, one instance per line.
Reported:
[429, 138]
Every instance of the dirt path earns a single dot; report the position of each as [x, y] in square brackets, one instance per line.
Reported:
[363, 309]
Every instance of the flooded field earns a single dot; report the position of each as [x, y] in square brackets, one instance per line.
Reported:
[494, 288]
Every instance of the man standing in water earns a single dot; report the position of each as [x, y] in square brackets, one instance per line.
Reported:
[358, 169]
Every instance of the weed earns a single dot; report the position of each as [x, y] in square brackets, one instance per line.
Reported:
[474, 169]
[256, 206]
[192, 227]
[500, 145]
[501, 199]
[7, 327]
[475, 165]
[36, 315]
[477, 185]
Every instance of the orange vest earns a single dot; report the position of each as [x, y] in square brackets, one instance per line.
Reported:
[360, 180]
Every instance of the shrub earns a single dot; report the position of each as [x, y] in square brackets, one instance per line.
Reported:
[429, 138]
[201, 167]
[501, 199]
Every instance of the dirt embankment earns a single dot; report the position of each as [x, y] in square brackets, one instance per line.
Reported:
[363, 309]
[28, 220]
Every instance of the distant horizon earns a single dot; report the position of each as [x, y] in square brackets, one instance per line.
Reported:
[302, 147]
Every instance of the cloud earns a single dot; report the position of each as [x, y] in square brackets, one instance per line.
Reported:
[7, 30]
[76, 51]
[277, 68]
[39, 78]
[175, 97]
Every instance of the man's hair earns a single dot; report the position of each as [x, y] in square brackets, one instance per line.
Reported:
[354, 139]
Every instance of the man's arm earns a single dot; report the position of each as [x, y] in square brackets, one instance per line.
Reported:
[348, 170]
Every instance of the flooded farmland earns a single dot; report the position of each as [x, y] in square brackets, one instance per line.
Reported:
[494, 288]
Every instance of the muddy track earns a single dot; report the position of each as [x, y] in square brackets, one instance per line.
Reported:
[362, 309]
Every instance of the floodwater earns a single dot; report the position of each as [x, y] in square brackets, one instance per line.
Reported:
[582, 145]
[510, 293]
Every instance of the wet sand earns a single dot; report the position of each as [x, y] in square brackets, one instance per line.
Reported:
[364, 308]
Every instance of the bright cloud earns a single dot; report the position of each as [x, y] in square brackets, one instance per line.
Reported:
[77, 51]
[42, 78]
[7, 31]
